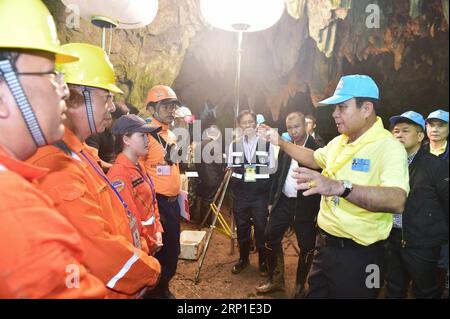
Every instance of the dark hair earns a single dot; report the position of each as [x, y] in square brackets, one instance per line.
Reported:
[133, 109]
[298, 114]
[75, 97]
[118, 142]
[151, 104]
[311, 117]
[118, 112]
[244, 113]
[360, 101]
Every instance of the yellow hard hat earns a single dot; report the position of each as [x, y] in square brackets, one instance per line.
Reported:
[29, 25]
[93, 69]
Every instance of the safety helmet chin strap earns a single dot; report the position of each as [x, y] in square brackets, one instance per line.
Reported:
[89, 108]
[156, 113]
[8, 73]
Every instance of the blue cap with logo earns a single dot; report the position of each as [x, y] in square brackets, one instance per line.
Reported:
[351, 86]
[409, 116]
[285, 136]
[439, 115]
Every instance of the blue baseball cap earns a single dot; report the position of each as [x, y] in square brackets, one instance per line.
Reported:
[439, 115]
[285, 136]
[409, 116]
[351, 86]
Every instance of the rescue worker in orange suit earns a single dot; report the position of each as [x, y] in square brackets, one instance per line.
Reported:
[115, 251]
[41, 253]
[131, 179]
[162, 102]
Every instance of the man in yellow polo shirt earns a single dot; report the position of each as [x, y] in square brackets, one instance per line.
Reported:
[364, 180]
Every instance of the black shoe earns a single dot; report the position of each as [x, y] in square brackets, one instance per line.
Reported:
[241, 265]
[167, 294]
[151, 294]
[300, 292]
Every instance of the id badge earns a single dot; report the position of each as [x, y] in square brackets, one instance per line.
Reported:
[361, 165]
[163, 170]
[250, 174]
[135, 232]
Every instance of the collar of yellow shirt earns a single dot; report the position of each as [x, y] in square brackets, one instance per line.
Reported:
[438, 151]
[343, 152]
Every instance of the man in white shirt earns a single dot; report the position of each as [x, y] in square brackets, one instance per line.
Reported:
[288, 207]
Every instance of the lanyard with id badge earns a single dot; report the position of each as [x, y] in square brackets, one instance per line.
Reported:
[163, 169]
[250, 169]
[250, 173]
[147, 179]
[133, 223]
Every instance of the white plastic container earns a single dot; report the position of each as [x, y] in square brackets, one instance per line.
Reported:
[192, 243]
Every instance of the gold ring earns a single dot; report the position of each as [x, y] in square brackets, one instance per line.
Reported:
[311, 184]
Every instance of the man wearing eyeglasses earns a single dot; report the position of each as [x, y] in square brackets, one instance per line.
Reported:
[115, 250]
[41, 253]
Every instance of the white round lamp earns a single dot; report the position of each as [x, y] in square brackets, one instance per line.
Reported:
[241, 16]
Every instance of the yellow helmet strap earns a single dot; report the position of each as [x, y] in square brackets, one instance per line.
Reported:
[8, 73]
[89, 108]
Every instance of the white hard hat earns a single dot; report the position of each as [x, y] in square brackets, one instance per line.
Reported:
[182, 112]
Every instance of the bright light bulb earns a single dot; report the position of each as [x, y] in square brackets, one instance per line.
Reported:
[242, 15]
[129, 14]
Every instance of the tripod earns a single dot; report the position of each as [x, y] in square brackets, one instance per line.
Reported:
[227, 230]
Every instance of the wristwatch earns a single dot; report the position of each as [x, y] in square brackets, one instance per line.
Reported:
[348, 188]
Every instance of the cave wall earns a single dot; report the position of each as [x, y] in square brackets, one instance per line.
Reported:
[141, 57]
[290, 66]
[299, 61]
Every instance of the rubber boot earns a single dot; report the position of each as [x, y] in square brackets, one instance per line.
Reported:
[303, 267]
[262, 262]
[244, 251]
[275, 267]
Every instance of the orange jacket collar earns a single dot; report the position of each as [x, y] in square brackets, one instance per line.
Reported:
[27, 171]
[122, 159]
[164, 127]
[72, 141]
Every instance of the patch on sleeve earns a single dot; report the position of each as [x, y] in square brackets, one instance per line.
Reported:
[137, 182]
[118, 184]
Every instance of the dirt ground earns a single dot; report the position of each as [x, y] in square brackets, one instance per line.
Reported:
[216, 279]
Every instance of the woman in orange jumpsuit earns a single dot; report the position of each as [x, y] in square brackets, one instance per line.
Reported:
[131, 180]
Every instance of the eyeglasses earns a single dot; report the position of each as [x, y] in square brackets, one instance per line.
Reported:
[109, 97]
[59, 76]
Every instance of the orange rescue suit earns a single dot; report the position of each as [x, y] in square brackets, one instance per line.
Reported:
[137, 189]
[89, 203]
[39, 249]
[165, 185]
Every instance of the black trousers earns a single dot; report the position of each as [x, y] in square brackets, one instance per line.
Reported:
[247, 210]
[405, 264]
[342, 269]
[170, 219]
[283, 216]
